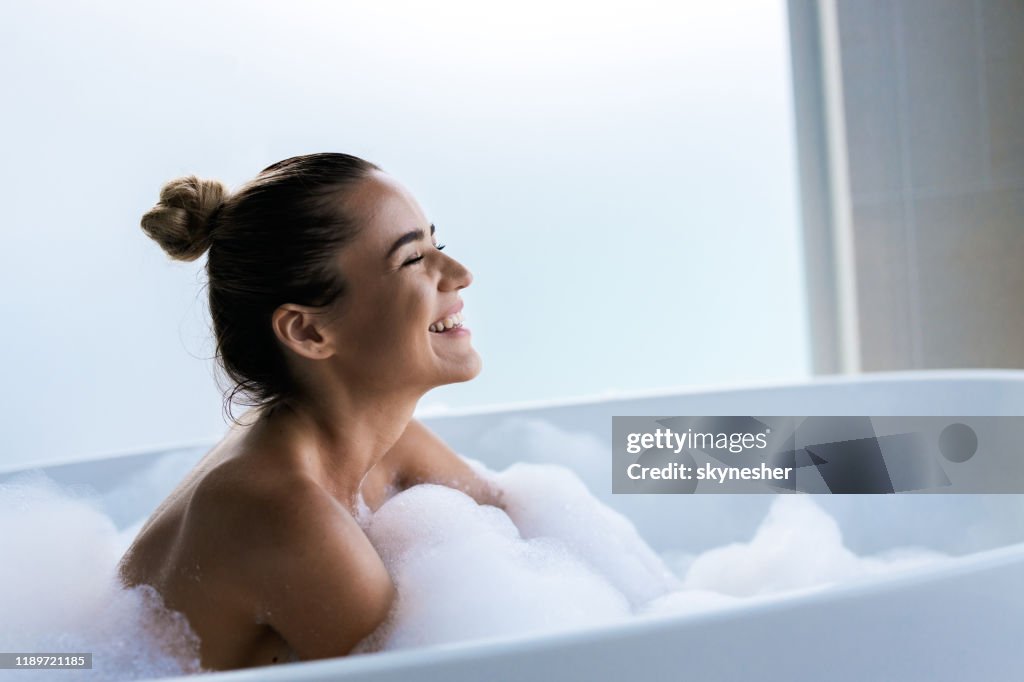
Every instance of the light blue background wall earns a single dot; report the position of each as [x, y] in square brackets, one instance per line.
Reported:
[619, 177]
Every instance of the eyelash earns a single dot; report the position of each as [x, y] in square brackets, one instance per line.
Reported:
[439, 247]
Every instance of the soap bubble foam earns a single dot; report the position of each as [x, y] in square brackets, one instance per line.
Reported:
[557, 559]
[60, 593]
[561, 559]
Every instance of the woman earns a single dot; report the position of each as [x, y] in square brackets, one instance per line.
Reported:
[334, 310]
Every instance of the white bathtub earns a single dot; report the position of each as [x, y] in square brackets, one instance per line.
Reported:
[960, 620]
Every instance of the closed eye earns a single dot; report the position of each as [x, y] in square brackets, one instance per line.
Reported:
[417, 259]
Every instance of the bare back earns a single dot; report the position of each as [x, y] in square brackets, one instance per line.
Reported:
[250, 549]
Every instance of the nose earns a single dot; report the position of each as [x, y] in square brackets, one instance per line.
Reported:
[455, 275]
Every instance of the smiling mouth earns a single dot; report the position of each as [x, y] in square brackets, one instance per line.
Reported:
[447, 324]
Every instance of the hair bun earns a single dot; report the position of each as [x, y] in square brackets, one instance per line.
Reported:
[181, 221]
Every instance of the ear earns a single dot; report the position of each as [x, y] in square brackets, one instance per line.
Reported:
[300, 328]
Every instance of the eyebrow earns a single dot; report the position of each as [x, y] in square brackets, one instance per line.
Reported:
[411, 236]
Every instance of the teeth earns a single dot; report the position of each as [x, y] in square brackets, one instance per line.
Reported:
[447, 323]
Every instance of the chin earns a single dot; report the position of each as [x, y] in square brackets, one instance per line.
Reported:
[466, 373]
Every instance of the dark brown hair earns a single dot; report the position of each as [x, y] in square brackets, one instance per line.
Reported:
[273, 241]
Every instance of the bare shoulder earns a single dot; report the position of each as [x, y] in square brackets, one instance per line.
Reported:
[301, 564]
[421, 456]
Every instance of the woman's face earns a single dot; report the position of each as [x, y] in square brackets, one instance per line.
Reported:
[399, 284]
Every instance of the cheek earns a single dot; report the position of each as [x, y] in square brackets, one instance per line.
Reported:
[395, 317]
[388, 316]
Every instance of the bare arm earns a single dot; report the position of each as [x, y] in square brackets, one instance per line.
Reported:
[422, 457]
[310, 573]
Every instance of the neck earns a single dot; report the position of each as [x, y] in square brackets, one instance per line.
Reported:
[342, 437]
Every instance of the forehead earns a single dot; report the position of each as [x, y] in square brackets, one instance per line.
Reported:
[385, 208]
